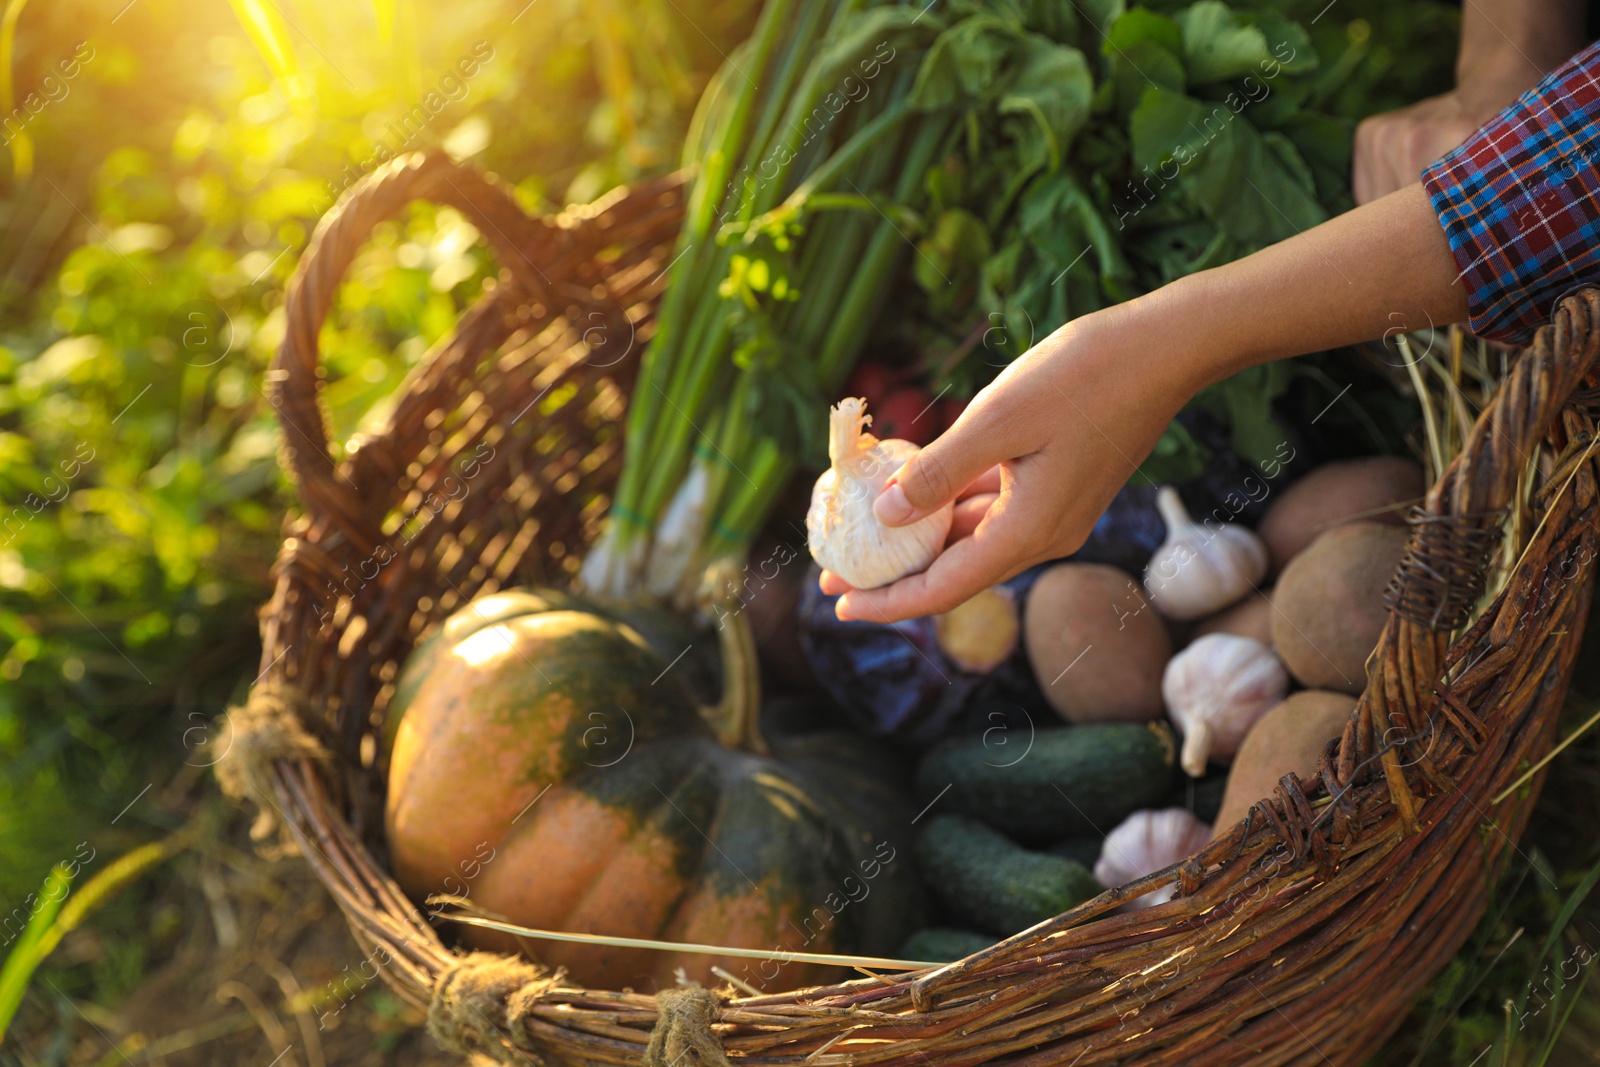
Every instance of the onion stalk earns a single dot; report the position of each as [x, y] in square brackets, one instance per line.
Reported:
[794, 232]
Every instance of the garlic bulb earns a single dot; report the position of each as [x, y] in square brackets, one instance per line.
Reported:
[844, 534]
[1199, 570]
[1145, 842]
[1215, 691]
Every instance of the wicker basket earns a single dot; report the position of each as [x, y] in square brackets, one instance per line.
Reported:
[1301, 936]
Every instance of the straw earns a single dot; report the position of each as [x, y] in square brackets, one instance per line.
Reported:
[687, 946]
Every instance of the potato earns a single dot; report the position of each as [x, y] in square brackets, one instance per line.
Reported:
[1288, 738]
[1329, 606]
[1251, 617]
[1097, 646]
[1376, 489]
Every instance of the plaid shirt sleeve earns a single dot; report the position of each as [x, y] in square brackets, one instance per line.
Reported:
[1520, 202]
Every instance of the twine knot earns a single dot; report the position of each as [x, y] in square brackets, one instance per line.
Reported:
[479, 1004]
[267, 727]
[683, 1025]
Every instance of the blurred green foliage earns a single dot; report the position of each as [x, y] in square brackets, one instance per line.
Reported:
[175, 178]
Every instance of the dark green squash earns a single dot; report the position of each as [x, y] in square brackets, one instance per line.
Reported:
[550, 765]
[691, 652]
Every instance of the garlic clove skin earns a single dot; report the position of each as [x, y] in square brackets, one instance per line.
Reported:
[842, 530]
[1200, 569]
[1146, 842]
[1215, 690]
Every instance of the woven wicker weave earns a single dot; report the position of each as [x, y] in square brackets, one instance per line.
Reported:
[1301, 936]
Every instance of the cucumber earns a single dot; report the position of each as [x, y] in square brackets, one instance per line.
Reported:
[941, 944]
[1074, 781]
[986, 879]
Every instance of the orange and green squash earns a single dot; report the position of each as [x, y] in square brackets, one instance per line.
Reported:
[550, 766]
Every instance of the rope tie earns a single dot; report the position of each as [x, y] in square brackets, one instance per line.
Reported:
[683, 1026]
[480, 1002]
[267, 727]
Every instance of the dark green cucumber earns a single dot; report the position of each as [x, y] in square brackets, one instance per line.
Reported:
[986, 879]
[941, 944]
[1074, 781]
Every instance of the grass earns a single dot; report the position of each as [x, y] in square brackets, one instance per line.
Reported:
[165, 553]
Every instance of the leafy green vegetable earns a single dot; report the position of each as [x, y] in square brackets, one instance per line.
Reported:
[1051, 85]
[1219, 43]
[175, 184]
[1195, 140]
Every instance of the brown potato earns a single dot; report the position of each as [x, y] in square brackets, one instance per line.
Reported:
[1329, 604]
[1251, 617]
[1289, 738]
[1376, 489]
[1097, 646]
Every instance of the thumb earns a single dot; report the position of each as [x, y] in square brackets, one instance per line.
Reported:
[934, 477]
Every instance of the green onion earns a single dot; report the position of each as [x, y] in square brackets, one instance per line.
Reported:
[804, 204]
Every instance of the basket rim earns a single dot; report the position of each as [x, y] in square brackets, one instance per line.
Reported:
[1376, 800]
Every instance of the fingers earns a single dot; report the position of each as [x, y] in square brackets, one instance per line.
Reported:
[987, 482]
[1372, 172]
[976, 499]
[831, 584]
[1426, 144]
[1362, 163]
[1391, 151]
[969, 512]
[934, 477]
[963, 570]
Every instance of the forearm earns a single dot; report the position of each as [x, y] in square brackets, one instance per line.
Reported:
[1061, 430]
[1380, 269]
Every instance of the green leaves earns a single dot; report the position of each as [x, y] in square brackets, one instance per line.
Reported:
[1051, 87]
[1037, 91]
[1219, 43]
[1177, 457]
[751, 277]
[1257, 189]
[1244, 402]
[950, 259]
[1061, 220]
[1166, 125]
[1143, 26]
[964, 63]
[1110, 153]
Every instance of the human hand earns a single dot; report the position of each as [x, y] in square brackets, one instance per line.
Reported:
[1506, 47]
[1032, 463]
[1037, 457]
[1392, 149]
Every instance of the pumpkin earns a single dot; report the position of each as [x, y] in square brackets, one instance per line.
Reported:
[694, 657]
[550, 766]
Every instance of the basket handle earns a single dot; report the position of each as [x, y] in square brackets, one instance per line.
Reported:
[1454, 534]
[1457, 528]
[295, 379]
